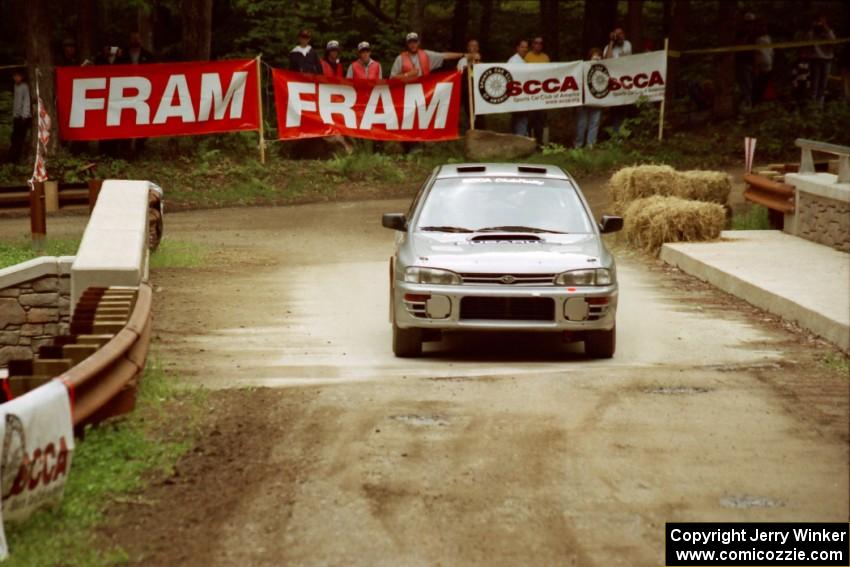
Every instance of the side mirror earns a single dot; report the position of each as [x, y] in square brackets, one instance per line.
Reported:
[610, 224]
[395, 221]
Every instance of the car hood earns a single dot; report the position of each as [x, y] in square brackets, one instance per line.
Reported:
[507, 253]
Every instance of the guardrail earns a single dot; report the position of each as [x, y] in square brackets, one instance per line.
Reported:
[104, 384]
[807, 162]
[774, 195]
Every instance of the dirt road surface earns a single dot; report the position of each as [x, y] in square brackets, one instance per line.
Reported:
[320, 448]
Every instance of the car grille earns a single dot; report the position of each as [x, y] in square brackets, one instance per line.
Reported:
[508, 308]
[509, 279]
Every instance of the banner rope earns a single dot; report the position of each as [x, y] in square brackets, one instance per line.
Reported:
[758, 46]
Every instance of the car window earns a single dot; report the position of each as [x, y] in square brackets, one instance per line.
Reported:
[486, 202]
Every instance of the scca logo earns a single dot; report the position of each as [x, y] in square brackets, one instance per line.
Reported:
[497, 85]
[600, 82]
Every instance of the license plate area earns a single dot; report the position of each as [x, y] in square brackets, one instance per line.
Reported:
[507, 308]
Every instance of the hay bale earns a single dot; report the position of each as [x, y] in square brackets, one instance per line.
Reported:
[708, 186]
[641, 181]
[652, 221]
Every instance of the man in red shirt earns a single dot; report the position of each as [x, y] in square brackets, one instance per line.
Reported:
[331, 67]
[364, 67]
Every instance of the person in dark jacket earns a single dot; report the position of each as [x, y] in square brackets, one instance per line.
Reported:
[135, 53]
[303, 58]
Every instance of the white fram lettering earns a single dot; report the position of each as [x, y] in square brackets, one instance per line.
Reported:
[416, 106]
[80, 102]
[211, 98]
[183, 109]
[119, 101]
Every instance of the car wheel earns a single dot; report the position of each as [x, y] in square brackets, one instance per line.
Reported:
[407, 343]
[600, 344]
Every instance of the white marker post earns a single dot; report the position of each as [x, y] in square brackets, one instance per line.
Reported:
[664, 100]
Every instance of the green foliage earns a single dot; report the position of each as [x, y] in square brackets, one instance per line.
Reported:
[754, 218]
[22, 250]
[112, 460]
[362, 166]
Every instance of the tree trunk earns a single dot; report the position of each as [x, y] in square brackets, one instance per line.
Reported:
[417, 17]
[635, 25]
[85, 30]
[40, 60]
[600, 17]
[678, 27]
[197, 29]
[460, 25]
[146, 18]
[724, 63]
[549, 15]
[484, 25]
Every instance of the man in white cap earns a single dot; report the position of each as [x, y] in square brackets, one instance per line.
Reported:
[364, 67]
[331, 67]
[414, 62]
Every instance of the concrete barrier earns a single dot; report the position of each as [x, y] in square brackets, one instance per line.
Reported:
[114, 248]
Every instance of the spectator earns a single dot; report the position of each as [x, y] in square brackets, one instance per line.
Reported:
[763, 66]
[303, 58]
[618, 45]
[364, 67]
[587, 127]
[519, 120]
[136, 54]
[537, 118]
[331, 67]
[109, 55]
[745, 60]
[21, 115]
[69, 56]
[821, 58]
[844, 65]
[801, 78]
[473, 55]
[414, 62]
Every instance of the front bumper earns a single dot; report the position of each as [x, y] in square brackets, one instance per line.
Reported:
[414, 314]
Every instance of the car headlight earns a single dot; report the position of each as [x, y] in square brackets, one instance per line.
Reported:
[597, 276]
[431, 276]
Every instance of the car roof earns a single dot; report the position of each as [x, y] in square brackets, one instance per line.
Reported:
[456, 170]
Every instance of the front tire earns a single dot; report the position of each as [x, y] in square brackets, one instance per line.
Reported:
[600, 344]
[407, 343]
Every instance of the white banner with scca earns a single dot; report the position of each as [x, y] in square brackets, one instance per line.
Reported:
[35, 458]
[519, 87]
[624, 80]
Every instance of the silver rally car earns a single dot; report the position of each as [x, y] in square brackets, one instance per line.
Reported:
[502, 247]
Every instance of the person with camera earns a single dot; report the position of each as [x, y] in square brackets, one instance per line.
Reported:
[618, 45]
[821, 59]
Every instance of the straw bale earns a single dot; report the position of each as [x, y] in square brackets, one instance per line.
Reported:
[652, 221]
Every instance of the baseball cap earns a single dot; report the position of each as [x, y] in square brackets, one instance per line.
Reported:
[333, 44]
[412, 36]
[363, 46]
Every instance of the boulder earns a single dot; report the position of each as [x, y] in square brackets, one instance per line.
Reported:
[483, 145]
[11, 313]
[321, 148]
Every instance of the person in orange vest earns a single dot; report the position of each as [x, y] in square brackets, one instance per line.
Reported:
[331, 67]
[364, 67]
[415, 62]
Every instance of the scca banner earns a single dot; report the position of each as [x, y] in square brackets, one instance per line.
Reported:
[164, 99]
[312, 105]
[516, 87]
[615, 82]
[38, 439]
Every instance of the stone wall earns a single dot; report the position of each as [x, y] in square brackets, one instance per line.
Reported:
[34, 310]
[824, 220]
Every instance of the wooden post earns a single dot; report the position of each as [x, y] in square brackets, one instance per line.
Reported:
[260, 109]
[38, 219]
[94, 191]
[471, 82]
[663, 100]
[51, 196]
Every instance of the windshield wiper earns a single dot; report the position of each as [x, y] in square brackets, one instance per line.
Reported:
[445, 229]
[514, 228]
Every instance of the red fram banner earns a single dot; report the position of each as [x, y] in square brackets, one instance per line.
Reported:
[311, 105]
[163, 99]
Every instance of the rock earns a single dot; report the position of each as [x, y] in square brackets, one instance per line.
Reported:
[11, 312]
[8, 353]
[39, 299]
[9, 337]
[483, 145]
[65, 285]
[30, 330]
[49, 283]
[42, 315]
[321, 148]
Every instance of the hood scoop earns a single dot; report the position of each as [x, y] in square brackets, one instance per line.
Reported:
[494, 238]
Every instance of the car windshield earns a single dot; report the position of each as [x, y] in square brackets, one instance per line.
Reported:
[472, 204]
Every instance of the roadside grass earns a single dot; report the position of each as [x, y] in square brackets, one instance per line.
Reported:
[111, 462]
[178, 254]
[754, 218]
[22, 250]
